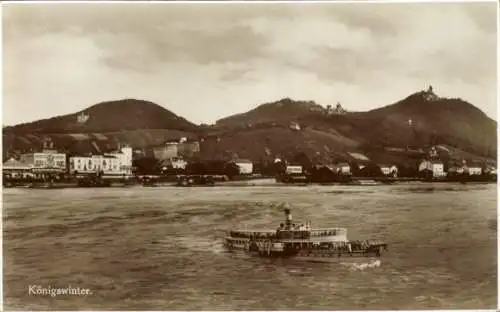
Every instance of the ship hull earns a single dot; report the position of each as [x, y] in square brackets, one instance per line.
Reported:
[325, 256]
[314, 258]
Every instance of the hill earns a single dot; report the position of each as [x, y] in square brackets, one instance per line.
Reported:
[122, 115]
[434, 120]
[283, 110]
[420, 120]
[100, 128]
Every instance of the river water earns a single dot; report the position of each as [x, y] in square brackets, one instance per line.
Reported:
[161, 248]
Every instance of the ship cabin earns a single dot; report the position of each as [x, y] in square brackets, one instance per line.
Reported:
[277, 241]
[311, 235]
[289, 232]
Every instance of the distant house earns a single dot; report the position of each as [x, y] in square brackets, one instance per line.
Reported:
[175, 148]
[490, 170]
[168, 151]
[435, 166]
[15, 167]
[174, 163]
[343, 168]
[94, 164]
[294, 126]
[474, 170]
[389, 170]
[294, 169]
[49, 161]
[116, 163]
[245, 165]
[456, 170]
[178, 163]
[188, 148]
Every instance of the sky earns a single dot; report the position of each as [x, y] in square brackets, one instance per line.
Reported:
[207, 61]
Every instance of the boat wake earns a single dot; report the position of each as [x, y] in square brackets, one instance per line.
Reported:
[197, 244]
[362, 266]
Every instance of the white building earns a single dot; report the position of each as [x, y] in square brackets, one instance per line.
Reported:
[474, 170]
[490, 170]
[125, 159]
[245, 166]
[294, 126]
[343, 168]
[436, 166]
[178, 163]
[17, 168]
[94, 164]
[456, 170]
[175, 163]
[293, 169]
[116, 163]
[49, 161]
[389, 170]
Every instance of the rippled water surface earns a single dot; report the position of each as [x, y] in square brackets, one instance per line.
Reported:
[160, 248]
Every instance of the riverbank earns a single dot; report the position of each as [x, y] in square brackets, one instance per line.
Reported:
[237, 183]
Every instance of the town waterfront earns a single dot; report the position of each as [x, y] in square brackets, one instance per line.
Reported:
[161, 248]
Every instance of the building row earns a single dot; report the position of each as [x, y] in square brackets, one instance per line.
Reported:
[434, 168]
[50, 161]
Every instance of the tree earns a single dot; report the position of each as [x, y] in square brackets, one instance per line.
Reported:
[302, 159]
[195, 168]
[371, 170]
[279, 167]
[147, 165]
[231, 170]
[355, 171]
[426, 174]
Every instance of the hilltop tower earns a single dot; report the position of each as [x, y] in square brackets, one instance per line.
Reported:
[338, 110]
[429, 95]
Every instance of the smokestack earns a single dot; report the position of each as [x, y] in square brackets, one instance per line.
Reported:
[288, 218]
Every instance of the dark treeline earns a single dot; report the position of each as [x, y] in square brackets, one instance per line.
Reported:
[314, 173]
[152, 166]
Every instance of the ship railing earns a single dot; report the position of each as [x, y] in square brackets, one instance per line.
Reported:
[329, 232]
[253, 234]
[293, 234]
[350, 246]
[306, 234]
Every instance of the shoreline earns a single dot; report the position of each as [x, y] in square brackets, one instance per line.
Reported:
[270, 182]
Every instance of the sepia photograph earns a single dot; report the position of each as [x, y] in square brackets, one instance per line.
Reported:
[249, 155]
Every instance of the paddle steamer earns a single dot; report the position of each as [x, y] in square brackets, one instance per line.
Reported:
[302, 242]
